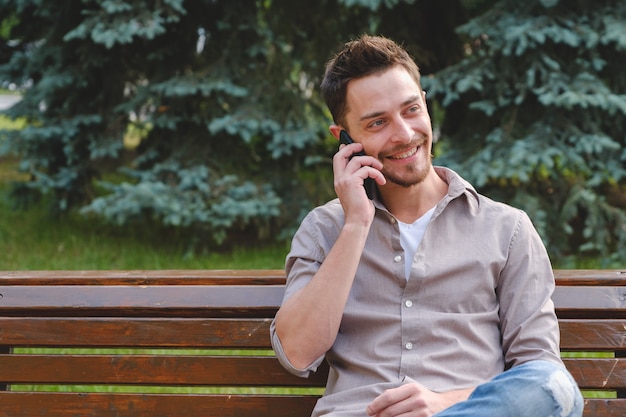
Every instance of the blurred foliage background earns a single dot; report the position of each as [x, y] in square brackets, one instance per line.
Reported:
[203, 118]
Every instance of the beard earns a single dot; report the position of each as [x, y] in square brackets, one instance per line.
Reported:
[410, 175]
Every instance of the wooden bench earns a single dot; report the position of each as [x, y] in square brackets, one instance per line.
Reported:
[209, 350]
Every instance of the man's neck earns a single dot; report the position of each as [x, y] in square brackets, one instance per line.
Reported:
[408, 204]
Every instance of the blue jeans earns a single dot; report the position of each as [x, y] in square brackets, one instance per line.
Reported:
[533, 389]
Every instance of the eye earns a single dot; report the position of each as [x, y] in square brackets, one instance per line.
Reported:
[413, 109]
[376, 123]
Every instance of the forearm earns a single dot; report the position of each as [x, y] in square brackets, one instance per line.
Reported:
[307, 323]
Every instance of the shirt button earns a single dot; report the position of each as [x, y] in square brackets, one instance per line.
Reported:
[408, 345]
[397, 259]
[408, 303]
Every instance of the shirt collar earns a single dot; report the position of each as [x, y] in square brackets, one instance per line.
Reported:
[457, 187]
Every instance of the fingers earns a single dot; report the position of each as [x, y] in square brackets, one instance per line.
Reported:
[407, 400]
[346, 163]
[344, 156]
[387, 400]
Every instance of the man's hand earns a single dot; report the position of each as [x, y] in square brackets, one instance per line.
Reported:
[414, 400]
[350, 173]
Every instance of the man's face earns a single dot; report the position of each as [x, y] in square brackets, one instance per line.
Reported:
[387, 113]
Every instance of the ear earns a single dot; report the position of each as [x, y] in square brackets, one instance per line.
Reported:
[335, 130]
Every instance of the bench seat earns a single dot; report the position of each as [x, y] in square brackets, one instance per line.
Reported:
[196, 343]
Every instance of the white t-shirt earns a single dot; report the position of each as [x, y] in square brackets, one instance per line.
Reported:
[410, 237]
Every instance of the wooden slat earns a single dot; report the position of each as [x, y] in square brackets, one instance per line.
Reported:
[592, 302]
[18, 404]
[135, 332]
[595, 407]
[576, 334]
[227, 333]
[160, 300]
[120, 299]
[225, 300]
[564, 277]
[590, 277]
[593, 335]
[149, 370]
[145, 277]
[590, 373]
[598, 373]
[567, 277]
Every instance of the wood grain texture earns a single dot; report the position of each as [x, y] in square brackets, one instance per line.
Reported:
[110, 332]
[164, 370]
[152, 405]
[224, 310]
[146, 405]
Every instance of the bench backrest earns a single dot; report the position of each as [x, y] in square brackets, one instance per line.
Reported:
[196, 343]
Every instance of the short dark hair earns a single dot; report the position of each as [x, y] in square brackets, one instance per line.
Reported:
[359, 58]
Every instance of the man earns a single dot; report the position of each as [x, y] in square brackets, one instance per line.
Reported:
[430, 298]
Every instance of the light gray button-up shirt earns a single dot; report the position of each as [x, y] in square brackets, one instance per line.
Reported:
[477, 301]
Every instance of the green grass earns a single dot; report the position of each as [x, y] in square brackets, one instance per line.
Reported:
[167, 389]
[32, 239]
[6, 123]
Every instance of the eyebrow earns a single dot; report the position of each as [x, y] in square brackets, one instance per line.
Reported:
[373, 115]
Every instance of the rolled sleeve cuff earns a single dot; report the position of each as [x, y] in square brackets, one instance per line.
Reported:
[282, 358]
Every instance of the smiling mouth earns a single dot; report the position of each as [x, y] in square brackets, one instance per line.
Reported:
[406, 154]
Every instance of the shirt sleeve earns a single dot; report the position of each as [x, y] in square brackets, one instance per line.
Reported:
[529, 325]
[282, 358]
[309, 247]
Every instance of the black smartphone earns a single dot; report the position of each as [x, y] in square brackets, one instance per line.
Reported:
[369, 184]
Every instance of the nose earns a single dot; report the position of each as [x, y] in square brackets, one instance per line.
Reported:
[402, 131]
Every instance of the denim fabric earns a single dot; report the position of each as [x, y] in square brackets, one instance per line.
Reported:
[533, 389]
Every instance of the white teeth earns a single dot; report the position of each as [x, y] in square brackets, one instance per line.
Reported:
[408, 153]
